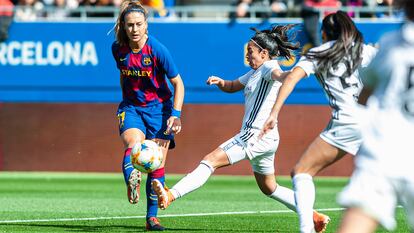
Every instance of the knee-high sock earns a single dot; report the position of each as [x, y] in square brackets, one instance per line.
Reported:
[152, 201]
[193, 180]
[285, 196]
[127, 167]
[304, 189]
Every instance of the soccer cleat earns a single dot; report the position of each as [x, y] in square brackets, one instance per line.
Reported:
[320, 221]
[153, 224]
[134, 183]
[164, 195]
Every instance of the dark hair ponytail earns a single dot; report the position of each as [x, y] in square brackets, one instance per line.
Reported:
[277, 40]
[347, 48]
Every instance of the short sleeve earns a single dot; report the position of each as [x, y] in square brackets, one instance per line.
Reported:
[368, 54]
[307, 65]
[245, 78]
[268, 67]
[115, 49]
[379, 68]
[165, 59]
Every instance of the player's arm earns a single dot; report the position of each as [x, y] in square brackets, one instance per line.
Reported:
[289, 83]
[279, 75]
[364, 95]
[174, 121]
[229, 86]
[273, 72]
[178, 85]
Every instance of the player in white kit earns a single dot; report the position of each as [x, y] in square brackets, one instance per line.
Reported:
[335, 64]
[260, 85]
[384, 176]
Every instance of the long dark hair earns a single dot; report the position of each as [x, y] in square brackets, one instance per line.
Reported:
[276, 40]
[347, 48]
[127, 6]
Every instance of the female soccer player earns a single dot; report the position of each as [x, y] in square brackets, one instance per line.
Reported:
[260, 86]
[335, 65]
[146, 110]
[384, 176]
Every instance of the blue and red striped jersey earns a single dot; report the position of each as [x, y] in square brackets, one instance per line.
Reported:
[144, 74]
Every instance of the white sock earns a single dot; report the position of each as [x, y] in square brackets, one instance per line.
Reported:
[193, 180]
[285, 196]
[305, 198]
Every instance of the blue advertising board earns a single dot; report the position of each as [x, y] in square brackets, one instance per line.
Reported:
[72, 62]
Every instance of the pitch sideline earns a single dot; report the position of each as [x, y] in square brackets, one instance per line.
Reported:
[161, 216]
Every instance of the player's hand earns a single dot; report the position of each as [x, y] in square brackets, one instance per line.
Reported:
[268, 126]
[173, 125]
[214, 80]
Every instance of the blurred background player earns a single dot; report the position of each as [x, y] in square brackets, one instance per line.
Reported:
[335, 65]
[311, 15]
[146, 111]
[260, 86]
[29, 10]
[6, 18]
[383, 176]
[276, 6]
[158, 5]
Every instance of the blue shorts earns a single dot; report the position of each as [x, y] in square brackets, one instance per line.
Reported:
[152, 121]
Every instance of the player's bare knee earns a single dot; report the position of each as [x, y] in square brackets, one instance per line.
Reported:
[300, 168]
[216, 160]
[210, 158]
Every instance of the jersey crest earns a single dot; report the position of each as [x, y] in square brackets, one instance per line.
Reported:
[146, 60]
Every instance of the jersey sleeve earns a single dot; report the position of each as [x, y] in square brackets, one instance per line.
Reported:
[115, 49]
[378, 68]
[165, 60]
[307, 65]
[268, 68]
[368, 54]
[245, 78]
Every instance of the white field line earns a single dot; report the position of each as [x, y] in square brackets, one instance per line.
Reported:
[161, 216]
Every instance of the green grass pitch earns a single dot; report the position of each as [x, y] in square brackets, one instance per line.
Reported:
[97, 202]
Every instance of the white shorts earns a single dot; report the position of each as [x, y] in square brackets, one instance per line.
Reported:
[378, 196]
[260, 153]
[344, 136]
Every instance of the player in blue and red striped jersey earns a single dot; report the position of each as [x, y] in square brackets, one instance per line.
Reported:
[149, 109]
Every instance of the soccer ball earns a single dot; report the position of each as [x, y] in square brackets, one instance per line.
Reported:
[146, 156]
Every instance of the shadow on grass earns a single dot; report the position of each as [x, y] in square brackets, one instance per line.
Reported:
[14, 227]
[37, 227]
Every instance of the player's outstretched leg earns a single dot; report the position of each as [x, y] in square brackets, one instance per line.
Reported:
[133, 186]
[320, 221]
[164, 195]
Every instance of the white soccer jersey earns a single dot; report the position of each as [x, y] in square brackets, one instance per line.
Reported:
[384, 175]
[341, 93]
[389, 133]
[260, 93]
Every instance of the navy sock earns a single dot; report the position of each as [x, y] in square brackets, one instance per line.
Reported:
[127, 167]
[152, 200]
